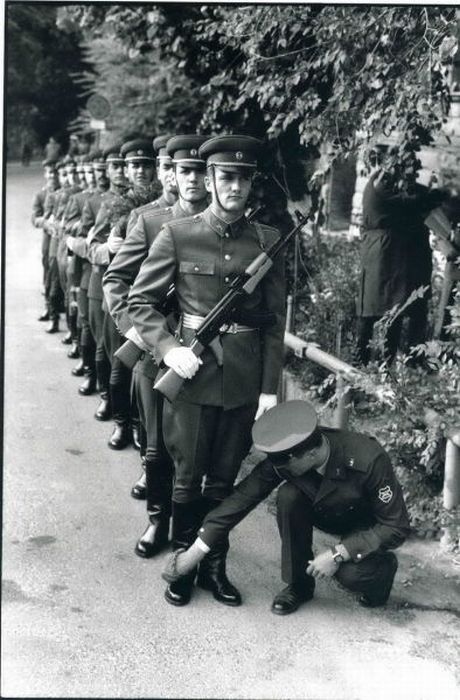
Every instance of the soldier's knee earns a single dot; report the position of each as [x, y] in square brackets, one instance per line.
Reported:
[288, 497]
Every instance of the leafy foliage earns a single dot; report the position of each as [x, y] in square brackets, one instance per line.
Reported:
[41, 95]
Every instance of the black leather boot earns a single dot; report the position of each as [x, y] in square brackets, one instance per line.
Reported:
[104, 411]
[67, 339]
[139, 490]
[45, 316]
[79, 369]
[74, 351]
[155, 537]
[136, 434]
[186, 521]
[121, 436]
[212, 576]
[90, 383]
[54, 326]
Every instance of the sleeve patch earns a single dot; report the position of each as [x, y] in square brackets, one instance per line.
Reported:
[385, 494]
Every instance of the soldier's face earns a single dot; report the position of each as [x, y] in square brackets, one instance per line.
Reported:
[71, 175]
[51, 177]
[62, 175]
[165, 174]
[139, 173]
[190, 183]
[100, 176]
[232, 188]
[116, 173]
[303, 461]
[90, 177]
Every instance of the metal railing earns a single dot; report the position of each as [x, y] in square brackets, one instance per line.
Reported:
[345, 374]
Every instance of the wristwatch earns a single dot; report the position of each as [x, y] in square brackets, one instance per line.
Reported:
[337, 557]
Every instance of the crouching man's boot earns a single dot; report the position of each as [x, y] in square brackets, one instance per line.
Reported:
[186, 521]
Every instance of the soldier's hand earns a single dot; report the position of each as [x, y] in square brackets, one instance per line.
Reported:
[322, 566]
[266, 401]
[183, 361]
[114, 242]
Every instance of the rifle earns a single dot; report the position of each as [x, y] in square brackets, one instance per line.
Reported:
[129, 353]
[169, 384]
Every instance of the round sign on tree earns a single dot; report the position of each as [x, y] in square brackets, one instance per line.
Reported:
[98, 106]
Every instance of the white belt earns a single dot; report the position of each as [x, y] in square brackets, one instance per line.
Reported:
[194, 322]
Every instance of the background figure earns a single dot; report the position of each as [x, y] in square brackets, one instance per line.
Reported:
[52, 149]
[396, 256]
[26, 153]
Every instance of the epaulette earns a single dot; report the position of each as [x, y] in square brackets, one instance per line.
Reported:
[154, 213]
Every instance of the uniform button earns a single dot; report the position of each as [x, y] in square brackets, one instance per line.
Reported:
[227, 257]
[196, 268]
[227, 235]
[227, 279]
[359, 556]
[181, 340]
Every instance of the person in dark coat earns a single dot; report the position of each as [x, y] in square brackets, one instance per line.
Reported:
[339, 481]
[396, 259]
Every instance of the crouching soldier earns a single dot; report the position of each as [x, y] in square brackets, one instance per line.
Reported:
[339, 481]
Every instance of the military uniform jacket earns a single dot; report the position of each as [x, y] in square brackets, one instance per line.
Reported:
[200, 255]
[395, 251]
[38, 205]
[358, 498]
[143, 227]
[89, 212]
[98, 252]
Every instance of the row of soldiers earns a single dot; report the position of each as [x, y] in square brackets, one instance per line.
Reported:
[118, 256]
[99, 220]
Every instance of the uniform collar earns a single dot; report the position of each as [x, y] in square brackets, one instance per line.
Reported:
[221, 227]
[178, 211]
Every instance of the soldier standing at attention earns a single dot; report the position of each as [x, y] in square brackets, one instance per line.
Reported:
[139, 169]
[51, 222]
[38, 212]
[336, 480]
[189, 173]
[207, 430]
[79, 246]
[98, 254]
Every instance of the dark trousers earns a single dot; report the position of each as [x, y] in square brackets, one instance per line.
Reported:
[86, 337]
[416, 332]
[158, 463]
[209, 442]
[55, 294]
[373, 576]
[120, 375]
[45, 255]
[96, 322]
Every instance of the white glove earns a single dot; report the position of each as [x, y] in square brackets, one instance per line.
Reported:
[134, 336]
[266, 401]
[114, 242]
[183, 361]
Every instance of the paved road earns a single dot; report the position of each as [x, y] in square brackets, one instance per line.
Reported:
[84, 617]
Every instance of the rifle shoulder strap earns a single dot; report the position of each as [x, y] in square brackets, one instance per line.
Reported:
[260, 235]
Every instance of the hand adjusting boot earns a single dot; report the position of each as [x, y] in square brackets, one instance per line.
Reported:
[121, 436]
[290, 598]
[186, 521]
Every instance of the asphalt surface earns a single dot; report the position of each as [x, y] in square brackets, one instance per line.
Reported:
[84, 617]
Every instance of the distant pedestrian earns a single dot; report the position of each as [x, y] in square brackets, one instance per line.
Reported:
[52, 150]
[26, 153]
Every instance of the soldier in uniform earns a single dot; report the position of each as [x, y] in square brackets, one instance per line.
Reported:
[99, 255]
[155, 482]
[38, 212]
[95, 168]
[51, 222]
[139, 162]
[73, 187]
[165, 172]
[336, 480]
[207, 430]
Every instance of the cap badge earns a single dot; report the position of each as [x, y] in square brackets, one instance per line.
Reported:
[239, 155]
[193, 152]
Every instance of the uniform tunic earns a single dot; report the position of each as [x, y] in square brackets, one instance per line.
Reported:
[359, 497]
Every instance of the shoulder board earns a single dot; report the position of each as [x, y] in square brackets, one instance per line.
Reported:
[154, 213]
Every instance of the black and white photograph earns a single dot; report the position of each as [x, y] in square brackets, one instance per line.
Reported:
[231, 350]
